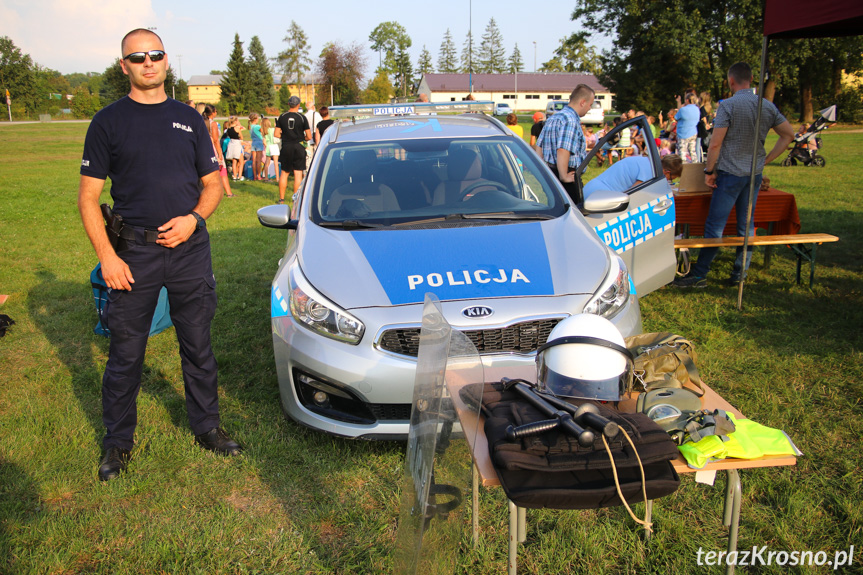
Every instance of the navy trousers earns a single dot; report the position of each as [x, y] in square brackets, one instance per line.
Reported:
[187, 273]
[731, 192]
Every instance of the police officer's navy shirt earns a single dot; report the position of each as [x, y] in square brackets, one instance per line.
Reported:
[154, 154]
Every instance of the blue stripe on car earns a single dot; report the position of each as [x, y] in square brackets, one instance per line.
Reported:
[459, 263]
[637, 225]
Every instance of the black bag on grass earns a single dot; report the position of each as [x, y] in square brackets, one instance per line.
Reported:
[552, 470]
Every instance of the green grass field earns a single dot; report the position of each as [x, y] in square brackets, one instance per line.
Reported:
[303, 502]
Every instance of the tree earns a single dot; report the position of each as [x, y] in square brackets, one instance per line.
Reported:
[340, 69]
[379, 90]
[447, 62]
[91, 80]
[468, 53]
[405, 70]
[235, 82]
[17, 75]
[808, 76]
[492, 55]
[574, 55]
[662, 48]
[115, 84]
[261, 91]
[391, 40]
[284, 96]
[84, 104]
[424, 65]
[294, 60]
[516, 62]
[181, 90]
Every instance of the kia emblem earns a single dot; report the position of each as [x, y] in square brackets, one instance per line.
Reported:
[477, 311]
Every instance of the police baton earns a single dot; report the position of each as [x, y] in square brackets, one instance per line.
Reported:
[563, 414]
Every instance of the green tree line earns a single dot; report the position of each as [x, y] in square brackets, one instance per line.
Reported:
[660, 50]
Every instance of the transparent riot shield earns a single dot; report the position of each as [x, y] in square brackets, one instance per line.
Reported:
[434, 518]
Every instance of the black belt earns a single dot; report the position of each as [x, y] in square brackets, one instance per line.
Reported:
[135, 233]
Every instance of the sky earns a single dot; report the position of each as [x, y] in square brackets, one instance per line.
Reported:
[84, 35]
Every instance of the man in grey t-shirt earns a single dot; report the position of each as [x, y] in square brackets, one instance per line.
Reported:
[728, 166]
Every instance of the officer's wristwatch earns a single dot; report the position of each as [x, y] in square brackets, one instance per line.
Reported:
[201, 221]
[706, 171]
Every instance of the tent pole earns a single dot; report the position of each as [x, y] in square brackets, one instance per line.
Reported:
[755, 145]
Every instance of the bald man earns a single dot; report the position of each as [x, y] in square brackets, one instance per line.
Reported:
[164, 185]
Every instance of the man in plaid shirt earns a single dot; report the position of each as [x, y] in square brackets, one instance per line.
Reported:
[561, 142]
[728, 166]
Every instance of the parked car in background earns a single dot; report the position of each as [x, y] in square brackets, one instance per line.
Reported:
[502, 109]
[554, 106]
[595, 115]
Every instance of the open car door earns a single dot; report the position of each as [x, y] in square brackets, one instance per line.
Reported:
[642, 233]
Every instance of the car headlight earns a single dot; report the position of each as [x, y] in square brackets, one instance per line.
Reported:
[312, 310]
[613, 293]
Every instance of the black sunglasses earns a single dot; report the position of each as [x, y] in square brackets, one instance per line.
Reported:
[139, 57]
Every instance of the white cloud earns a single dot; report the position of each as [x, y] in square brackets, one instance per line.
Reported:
[73, 35]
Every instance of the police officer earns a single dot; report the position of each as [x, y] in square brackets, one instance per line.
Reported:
[156, 151]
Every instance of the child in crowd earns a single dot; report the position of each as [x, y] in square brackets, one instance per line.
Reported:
[272, 147]
[257, 145]
[664, 148]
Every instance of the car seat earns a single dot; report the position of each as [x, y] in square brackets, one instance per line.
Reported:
[361, 196]
[463, 170]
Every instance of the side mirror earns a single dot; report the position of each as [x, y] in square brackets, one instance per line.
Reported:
[277, 216]
[605, 202]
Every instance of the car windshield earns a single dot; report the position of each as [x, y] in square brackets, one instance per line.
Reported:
[431, 181]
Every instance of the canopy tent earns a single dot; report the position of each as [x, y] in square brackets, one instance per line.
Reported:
[798, 19]
[807, 19]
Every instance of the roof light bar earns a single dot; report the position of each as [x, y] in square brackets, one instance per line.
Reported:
[409, 109]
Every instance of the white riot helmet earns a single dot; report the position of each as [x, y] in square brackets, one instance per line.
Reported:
[584, 358]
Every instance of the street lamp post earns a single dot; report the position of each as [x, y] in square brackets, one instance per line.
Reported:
[470, 46]
[534, 55]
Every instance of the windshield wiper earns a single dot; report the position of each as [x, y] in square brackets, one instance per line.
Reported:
[506, 216]
[482, 216]
[351, 225]
[434, 220]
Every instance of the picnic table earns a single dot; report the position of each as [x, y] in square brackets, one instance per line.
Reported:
[775, 211]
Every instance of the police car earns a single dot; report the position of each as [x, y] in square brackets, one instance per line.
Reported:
[404, 200]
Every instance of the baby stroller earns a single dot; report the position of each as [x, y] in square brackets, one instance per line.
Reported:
[801, 151]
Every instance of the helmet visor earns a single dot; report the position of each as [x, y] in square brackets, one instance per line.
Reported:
[608, 389]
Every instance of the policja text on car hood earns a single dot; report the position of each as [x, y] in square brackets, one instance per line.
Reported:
[391, 266]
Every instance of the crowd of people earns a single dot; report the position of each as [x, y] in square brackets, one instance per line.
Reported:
[263, 151]
[684, 131]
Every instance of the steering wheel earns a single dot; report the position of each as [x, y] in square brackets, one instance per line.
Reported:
[468, 191]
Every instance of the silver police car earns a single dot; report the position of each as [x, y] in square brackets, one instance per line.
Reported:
[404, 200]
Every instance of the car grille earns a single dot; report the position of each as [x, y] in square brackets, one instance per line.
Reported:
[391, 411]
[522, 337]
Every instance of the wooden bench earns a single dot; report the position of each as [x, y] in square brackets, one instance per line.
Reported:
[804, 245]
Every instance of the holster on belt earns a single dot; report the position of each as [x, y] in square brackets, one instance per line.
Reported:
[113, 226]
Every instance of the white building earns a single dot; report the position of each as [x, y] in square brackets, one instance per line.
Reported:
[523, 92]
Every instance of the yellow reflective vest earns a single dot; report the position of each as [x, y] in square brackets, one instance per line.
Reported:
[750, 440]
